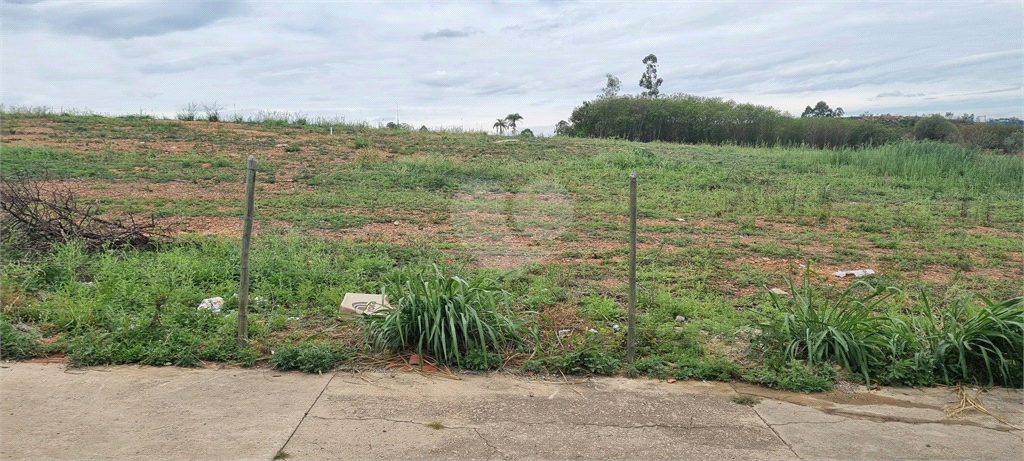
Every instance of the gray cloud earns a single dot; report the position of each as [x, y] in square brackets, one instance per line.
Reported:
[125, 20]
[358, 60]
[898, 94]
[450, 33]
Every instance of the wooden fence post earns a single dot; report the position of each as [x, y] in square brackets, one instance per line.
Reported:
[631, 332]
[243, 289]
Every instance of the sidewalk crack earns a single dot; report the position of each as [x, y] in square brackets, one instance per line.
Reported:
[304, 415]
[488, 442]
[777, 434]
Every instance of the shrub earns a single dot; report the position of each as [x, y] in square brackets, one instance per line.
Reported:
[443, 316]
[479, 359]
[16, 344]
[1014, 142]
[794, 376]
[309, 357]
[934, 127]
[653, 366]
[710, 368]
[588, 360]
[599, 308]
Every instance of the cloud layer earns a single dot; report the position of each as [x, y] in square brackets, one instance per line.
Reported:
[464, 64]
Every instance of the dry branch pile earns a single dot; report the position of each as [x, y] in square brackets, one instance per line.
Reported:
[48, 214]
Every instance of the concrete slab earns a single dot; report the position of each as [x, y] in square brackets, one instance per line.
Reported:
[387, 416]
[894, 423]
[49, 412]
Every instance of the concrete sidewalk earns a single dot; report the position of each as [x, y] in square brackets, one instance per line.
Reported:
[50, 411]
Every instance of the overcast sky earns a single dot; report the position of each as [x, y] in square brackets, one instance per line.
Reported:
[465, 64]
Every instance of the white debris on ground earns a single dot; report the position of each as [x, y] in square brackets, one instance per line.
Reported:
[211, 304]
[855, 273]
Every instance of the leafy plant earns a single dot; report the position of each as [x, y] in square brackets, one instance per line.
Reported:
[822, 331]
[480, 359]
[16, 344]
[443, 316]
[601, 309]
[309, 357]
[985, 344]
[710, 368]
[653, 366]
[588, 359]
[794, 376]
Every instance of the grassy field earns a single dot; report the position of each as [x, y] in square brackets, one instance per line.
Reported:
[340, 208]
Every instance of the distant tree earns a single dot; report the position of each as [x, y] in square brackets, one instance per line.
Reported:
[562, 127]
[821, 109]
[500, 126]
[611, 88]
[527, 133]
[511, 120]
[934, 127]
[650, 81]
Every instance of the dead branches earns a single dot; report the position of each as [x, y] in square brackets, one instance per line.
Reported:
[47, 214]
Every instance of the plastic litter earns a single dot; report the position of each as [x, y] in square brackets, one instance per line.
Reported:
[212, 304]
[855, 273]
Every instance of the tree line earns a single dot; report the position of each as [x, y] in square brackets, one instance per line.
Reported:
[693, 119]
[685, 118]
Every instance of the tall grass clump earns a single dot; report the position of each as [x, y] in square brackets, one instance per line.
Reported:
[822, 331]
[938, 163]
[964, 342]
[445, 317]
[981, 344]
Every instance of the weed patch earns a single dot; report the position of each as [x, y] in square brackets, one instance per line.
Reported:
[444, 317]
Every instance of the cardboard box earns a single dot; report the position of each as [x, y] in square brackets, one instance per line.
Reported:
[363, 303]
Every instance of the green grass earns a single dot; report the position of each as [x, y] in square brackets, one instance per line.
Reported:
[932, 218]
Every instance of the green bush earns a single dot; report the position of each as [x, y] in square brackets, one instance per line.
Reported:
[309, 357]
[588, 360]
[479, 359]
[598, 308]
[935, 128]
[794, 376]
[653, 366]
[709, 368]
[443, 316]
[1014, 142]
[16, 344]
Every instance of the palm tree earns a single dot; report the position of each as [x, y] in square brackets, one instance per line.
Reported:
[512, 119]
[500, 126]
